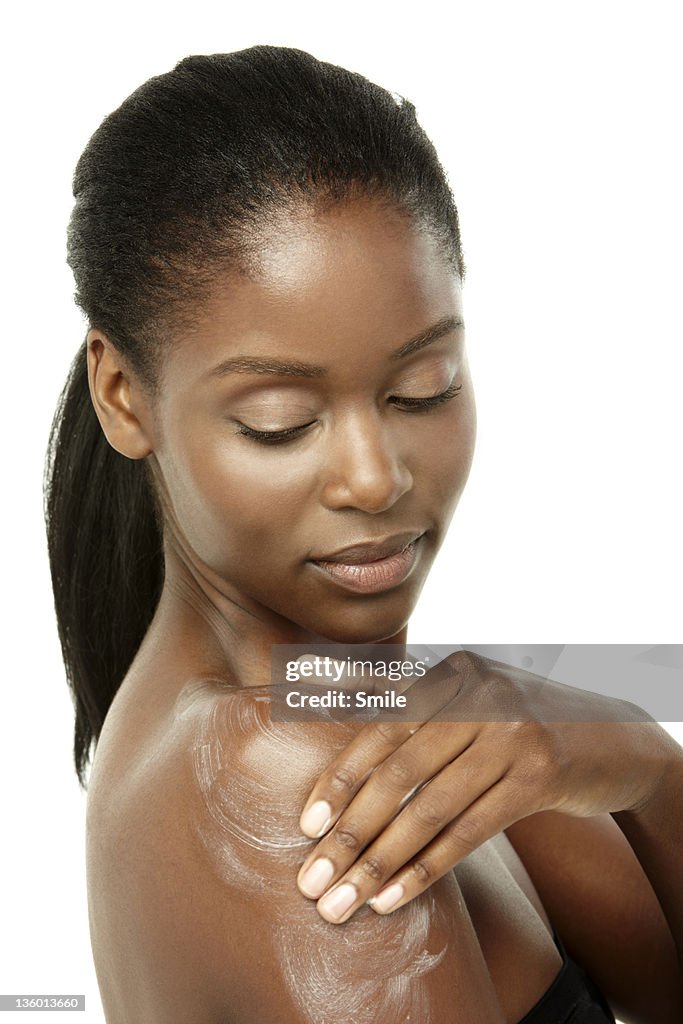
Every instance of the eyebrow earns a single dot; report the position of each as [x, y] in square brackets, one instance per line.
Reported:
[259, 364]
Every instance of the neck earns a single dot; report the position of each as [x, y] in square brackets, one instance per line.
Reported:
[204, 627]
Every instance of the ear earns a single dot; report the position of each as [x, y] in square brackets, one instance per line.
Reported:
[120, 404]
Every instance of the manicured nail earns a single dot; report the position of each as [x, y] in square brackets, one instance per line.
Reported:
[316, 819]
[387, 898]
[316, 879]
[338, 902]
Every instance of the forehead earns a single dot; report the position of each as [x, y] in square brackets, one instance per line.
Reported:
[360, 274]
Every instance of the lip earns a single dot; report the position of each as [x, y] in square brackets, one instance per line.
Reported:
[371, 550]
[360, 570]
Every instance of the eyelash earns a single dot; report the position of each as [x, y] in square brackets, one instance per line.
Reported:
[408, 405]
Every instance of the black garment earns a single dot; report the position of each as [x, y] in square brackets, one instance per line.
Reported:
[573, 997]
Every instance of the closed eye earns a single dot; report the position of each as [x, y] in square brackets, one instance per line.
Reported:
[406, 404]
[272, 436]
[427, 403]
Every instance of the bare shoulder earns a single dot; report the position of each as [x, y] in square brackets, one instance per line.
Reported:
[196, 904]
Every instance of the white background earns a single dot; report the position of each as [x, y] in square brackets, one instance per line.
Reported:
[559, 126]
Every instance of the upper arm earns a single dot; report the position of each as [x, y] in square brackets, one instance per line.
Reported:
[223, 912]
[601, 903]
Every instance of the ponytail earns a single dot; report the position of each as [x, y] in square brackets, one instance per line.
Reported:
[106, 557]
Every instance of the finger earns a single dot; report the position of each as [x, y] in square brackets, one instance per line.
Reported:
[494, 811]
[431, 810]
[343, 778]
[373, 746]
[396, 780]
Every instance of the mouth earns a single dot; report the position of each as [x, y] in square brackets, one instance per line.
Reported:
[372, 567]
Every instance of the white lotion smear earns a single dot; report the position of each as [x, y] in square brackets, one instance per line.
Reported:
[254, 777]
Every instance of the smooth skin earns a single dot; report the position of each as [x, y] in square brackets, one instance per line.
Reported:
[342, 291]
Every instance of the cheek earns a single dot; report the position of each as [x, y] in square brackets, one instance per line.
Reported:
[467, 434]
[233, 501]
[448, 459]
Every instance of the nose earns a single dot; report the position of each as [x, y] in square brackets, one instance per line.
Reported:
[364, 469]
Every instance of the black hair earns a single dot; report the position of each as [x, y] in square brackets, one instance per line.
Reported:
[171, 192]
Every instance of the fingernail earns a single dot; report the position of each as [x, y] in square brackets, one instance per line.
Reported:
[387, 898]
[315, 879]
[339, 901]
[316, 819]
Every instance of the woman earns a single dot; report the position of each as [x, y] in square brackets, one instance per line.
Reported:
[274, 387]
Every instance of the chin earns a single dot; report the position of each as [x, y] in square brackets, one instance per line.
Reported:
[365, 625]
[358, 637]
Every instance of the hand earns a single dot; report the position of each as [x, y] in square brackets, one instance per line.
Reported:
[488, 744]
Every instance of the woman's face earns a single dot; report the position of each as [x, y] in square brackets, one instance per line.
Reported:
[338, 297]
